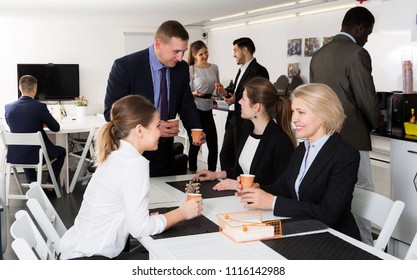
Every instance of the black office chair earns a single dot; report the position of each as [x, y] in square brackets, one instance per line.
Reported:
[181, 159]
[295, 82]
[282, 85]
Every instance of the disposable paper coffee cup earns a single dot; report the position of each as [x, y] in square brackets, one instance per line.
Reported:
[193, 195]
[247, 180]
[196, 134]
[174, 121]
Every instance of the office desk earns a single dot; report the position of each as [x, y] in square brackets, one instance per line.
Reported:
[216, 246]
[68, 126]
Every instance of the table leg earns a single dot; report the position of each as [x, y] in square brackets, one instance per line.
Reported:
[62, 140]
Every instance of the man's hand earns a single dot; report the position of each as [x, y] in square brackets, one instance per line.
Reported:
[230, 100]
[169, 129]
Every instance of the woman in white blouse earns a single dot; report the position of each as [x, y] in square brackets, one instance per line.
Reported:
[115, 203]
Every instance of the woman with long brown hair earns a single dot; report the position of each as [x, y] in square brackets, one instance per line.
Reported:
[267, 140]
[115, 203]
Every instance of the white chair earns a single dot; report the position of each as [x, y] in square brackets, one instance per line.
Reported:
[46, 216]
[28, 243]
[412, 251]
[28, 139]
[82, 160]
[380, 210]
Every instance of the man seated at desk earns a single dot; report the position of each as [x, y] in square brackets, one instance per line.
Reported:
[27, 115]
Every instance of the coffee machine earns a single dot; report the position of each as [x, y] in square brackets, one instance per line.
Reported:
[402, 104]
[385, 109]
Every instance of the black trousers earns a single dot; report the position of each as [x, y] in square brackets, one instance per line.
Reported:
[228, 151]
[54, 152]
[209, 128]
[161, 161]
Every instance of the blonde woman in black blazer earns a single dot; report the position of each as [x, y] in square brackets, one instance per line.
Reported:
[275, 141]
[322, 190]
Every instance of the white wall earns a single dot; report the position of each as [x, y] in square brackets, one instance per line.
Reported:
[392, 34]
[93, 43]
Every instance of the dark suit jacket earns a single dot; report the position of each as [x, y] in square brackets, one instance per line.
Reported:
[327, 187]
[27, 116]
[271, 157]
[131, 74]
[346, 67]
[254, 70]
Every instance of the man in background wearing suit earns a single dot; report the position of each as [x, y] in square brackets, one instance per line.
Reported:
[345, 66]
[243, 50]
[27, 115]
[159, 74]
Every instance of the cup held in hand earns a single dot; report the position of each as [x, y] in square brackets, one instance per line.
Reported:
[193, 195]
[247, 180]
[196, 133]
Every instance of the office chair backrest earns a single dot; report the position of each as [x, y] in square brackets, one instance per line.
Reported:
[46, 216]
[282, 85]
[295, 82]
[24, 229]
[380, 210]
[27, 139]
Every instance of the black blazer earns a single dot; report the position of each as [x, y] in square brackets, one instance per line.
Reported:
[27, 115]
[271, 157]
[254, 70]
[327, 187]
[131, 74]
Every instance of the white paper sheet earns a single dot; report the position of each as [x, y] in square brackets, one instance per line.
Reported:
[156, 195]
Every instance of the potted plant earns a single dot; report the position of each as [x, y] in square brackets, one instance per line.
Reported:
[81, 103]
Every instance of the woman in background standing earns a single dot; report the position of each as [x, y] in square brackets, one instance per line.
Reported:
[203, 76]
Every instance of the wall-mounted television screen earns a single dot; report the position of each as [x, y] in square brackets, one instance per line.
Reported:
[55, 81]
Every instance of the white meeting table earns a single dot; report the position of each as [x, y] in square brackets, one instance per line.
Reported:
[216, 246]
[71, 125]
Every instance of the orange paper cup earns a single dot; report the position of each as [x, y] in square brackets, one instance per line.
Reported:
[174, 121]
[247, 180]
[193, 195]
[196, 134]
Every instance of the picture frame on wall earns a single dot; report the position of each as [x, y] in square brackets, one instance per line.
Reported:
[311, 46]
[294, 47]
[327, 40]
[293, 70]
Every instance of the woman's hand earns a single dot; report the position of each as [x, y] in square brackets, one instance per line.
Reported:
[257, 197]
[191, 208]
[227, 184]
[198, 93]
[206, 175]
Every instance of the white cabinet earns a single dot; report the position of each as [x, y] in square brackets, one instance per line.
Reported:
[220, 117]
[404, 188]
[380, 165]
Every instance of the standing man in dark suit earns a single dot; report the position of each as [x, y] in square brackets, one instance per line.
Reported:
[345, 66]
[159, 74]
[243, 50]
[27, 115]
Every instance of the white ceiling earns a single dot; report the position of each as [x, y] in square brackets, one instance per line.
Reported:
[146, 12]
